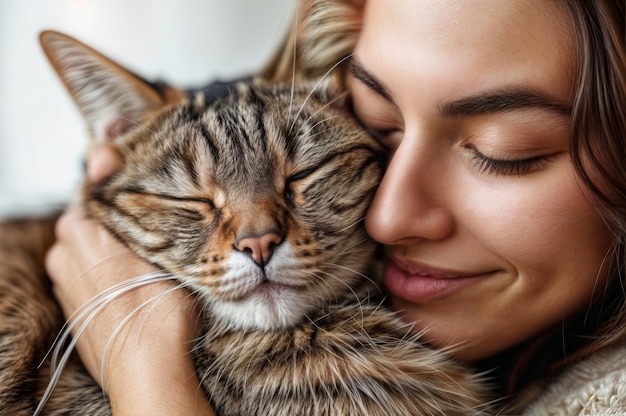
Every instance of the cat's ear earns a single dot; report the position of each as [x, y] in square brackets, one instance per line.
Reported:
[330, 89]
[111, 98]
[322, 37]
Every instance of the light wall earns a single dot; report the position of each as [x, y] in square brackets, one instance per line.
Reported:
[188, 42]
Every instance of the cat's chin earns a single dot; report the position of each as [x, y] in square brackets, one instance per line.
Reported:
[271, 306]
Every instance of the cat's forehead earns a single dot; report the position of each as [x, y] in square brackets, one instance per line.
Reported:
[250, 139]
[262, 120]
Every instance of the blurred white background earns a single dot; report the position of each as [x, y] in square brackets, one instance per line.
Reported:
[187, 42]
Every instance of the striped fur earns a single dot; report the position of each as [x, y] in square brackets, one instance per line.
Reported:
[299, 329]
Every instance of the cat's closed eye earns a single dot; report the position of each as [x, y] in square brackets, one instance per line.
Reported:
[298, 176]
[301, 175]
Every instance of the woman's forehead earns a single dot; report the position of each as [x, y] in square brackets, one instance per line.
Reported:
[461, 48]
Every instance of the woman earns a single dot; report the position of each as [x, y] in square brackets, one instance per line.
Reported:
[502, 209]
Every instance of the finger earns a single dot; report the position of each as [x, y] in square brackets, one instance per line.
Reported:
[103, 161]
[83, 235]
[55, 260]
[68, 222]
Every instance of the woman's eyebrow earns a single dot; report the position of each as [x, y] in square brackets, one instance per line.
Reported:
[503, 100]
[489, 102]
[369, 80]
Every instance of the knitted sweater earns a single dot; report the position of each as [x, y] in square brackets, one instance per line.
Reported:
[593, 387]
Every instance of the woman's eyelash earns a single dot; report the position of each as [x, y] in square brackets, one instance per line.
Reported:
[519, 167]
[485, 164]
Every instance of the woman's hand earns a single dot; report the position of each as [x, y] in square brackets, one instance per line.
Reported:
[147, 368]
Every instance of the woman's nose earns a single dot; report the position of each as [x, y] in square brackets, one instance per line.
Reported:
[412, 201]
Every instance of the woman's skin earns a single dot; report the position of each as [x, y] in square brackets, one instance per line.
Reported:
[484, 253]
[489, 236]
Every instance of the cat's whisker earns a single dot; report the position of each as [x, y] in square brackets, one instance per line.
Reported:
[364, 276]
[324, 107]
[154, 301]
[319, 82]
[331, 292]
[356, 297]
[321, 132]
[328, 129]
[325, 121]
[64, 334]
[350, 226]
[138, 124]
[216, 367]
[293, 66]
[304, 122]
[120, 326]
[80, 314]
[81, 319]
[86, 312]
[355, 247]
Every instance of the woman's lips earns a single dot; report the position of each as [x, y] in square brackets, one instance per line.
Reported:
[417, 283]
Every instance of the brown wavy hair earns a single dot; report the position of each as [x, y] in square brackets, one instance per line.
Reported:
[598, 135]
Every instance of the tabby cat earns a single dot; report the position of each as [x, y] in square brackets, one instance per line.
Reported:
[251, 195]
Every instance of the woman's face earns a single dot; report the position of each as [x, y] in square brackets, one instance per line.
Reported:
[489, 237]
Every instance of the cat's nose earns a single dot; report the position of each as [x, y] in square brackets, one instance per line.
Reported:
[260, 248]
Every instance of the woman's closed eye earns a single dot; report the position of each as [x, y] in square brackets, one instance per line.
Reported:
[507, 166]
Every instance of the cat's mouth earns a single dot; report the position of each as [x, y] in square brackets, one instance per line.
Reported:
[269, 288]
[268, 305]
